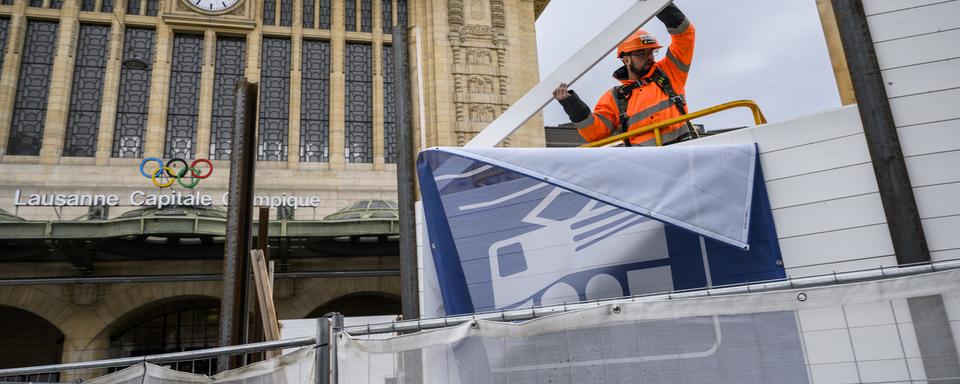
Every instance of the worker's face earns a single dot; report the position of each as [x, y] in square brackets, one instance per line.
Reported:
[639, 62]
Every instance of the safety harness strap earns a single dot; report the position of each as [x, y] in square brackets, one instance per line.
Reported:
[621, 94]
[664, 83]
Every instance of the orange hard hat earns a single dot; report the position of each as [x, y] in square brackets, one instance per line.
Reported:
[638, 40]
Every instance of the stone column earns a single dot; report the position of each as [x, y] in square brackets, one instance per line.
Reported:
[378, 131]
[296, 75]
[111, 87]
[337, 86]
[61, 79]
[8, 80]
[159, 92]
[254, 46]
[205, 117]
[81, 346]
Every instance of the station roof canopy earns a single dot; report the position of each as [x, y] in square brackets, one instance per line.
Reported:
[364, 218]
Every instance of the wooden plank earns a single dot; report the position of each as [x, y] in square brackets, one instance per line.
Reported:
[927, 138]
[918, 49]
[830, 215]
[816, 157]
[922, 78]
[942, 232]
[268, 312]
[837, 246]
[938, 200]
[828, 185]
[927, 107]
[873, 7]
[932, 169]
[914, 21]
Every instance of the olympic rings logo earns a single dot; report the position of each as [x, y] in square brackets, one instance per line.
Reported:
[165, 174]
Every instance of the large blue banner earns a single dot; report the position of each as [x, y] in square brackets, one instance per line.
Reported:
[539, 228]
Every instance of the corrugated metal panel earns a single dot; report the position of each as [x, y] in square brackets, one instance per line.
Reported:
[822, 190]
[821, 186]
[843, 151]
[922, 78]
[836, 246]
[934, 168]
[914, 21]
[831, 215]
[927, 108]
[929, 138]
[873, 7]
[918, 49]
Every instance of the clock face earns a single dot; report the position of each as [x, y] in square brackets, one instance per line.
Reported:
[212, 6]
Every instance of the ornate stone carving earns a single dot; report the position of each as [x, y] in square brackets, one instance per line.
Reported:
[85, 295]
[497, 14]
[478, 11]
[455, 13]
[479, 64]
[240, 10]
[478, 31]
[479, 56]
[285, 289]
[482, 113]
[480, 85]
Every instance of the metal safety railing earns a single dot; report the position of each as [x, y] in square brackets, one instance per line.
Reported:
[758, 119]
[329, 328]
[163, 358]
[754, 287]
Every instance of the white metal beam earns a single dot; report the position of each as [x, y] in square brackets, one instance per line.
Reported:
[571, 70]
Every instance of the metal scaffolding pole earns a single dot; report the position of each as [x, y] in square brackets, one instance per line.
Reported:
[405, 178]
[239, 234]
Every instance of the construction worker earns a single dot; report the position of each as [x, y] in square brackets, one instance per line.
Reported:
[649, 92]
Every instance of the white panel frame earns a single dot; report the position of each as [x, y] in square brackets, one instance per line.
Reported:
[541, 94]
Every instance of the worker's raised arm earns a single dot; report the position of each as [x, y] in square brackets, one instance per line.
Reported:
[592, 126]
[680, 52]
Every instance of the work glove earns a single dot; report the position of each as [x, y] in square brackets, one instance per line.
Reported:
[575, 108]
[671, 16]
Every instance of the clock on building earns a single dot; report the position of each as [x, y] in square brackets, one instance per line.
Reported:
[213, 7]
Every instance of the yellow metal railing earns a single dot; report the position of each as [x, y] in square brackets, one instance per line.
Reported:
[655, 127]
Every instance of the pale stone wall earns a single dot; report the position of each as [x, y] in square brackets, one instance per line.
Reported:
[479, 57]
[476, 57]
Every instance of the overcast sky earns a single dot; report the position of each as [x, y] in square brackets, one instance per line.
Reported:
[769, 51]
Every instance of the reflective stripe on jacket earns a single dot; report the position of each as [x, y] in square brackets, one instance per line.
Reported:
[648, 103]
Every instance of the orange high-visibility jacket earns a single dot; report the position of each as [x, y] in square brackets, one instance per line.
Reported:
[647, 103]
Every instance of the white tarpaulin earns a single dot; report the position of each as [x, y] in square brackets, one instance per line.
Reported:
[297, 367]
[898, 330]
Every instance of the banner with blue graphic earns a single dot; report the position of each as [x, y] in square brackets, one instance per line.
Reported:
[519, 227]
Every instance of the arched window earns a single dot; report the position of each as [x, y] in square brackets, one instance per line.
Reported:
[35, 342]
[362, 304]
[173, 327]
